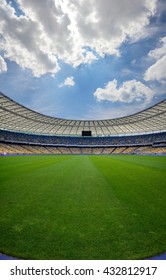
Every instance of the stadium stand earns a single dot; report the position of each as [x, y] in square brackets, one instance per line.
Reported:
[24, 131]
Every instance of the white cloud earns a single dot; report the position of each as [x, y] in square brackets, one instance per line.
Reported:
[24, 43]
[129, 91]
[157, 71]
[89, 57]
[3, 65]
[69, 81]
[56, 29]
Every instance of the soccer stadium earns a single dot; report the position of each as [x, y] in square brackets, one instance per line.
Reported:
[82, 189]
[24, 131]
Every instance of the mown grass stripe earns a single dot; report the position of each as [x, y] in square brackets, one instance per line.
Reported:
[82, 207]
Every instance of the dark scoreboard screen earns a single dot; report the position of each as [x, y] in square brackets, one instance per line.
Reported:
[86, 133]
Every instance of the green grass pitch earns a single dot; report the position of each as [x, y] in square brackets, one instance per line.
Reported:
[83, 207]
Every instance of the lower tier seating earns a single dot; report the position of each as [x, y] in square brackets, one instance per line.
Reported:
[27, 149]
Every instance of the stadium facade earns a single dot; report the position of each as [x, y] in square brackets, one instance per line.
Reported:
[24, 131]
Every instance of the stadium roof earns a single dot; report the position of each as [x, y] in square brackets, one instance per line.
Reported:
[15, 117]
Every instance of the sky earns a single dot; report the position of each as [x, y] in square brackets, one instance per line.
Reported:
[83, 59]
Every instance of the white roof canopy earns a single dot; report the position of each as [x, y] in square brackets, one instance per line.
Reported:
[15, 117]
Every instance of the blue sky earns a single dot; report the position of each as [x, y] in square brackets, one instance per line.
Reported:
[87, 59]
